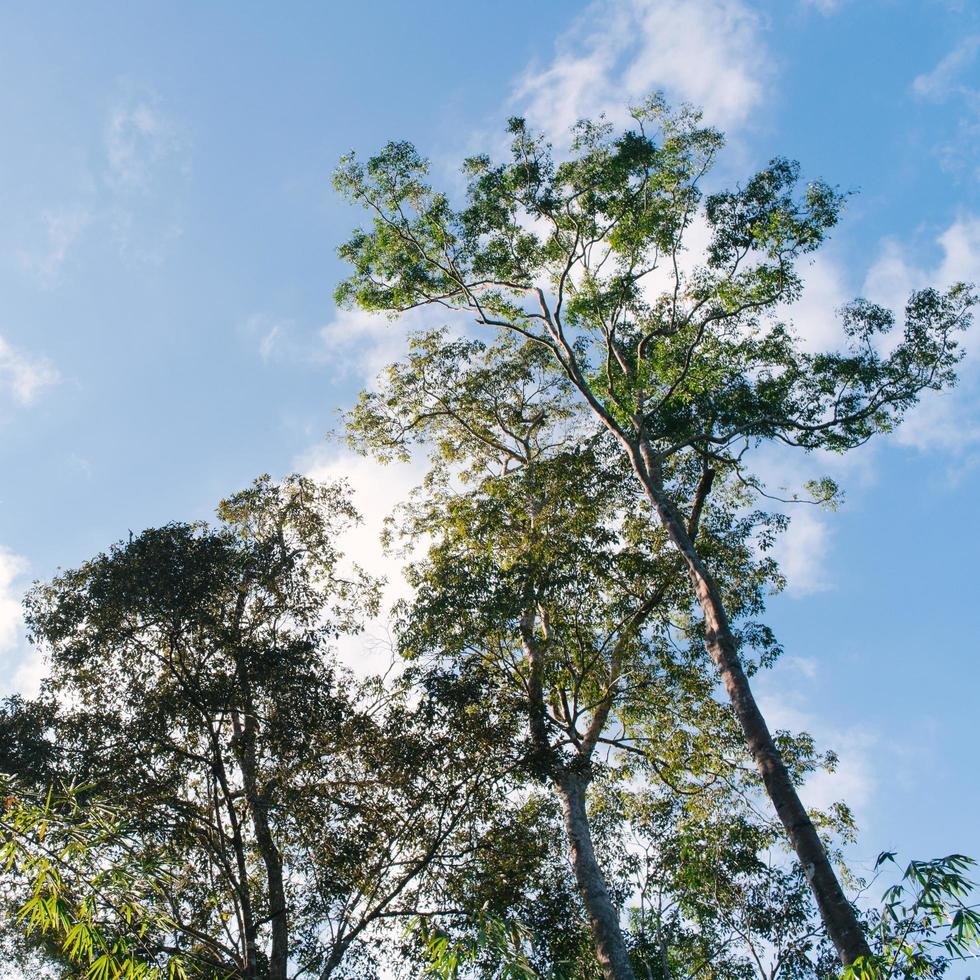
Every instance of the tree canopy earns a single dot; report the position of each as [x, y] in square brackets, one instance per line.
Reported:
[287, 807]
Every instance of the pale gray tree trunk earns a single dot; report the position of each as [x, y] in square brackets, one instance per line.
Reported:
[599, 905]
[570, 784]
[839, 916]
[837, 913]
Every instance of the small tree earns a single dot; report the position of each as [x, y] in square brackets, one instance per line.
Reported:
[292, 811]
[685, 368]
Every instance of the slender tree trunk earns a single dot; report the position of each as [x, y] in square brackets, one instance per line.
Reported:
[839, 917]
[245, 728]
[570, 785]
[247, 920]
[336, 955]
[602, 912]
[277, 894]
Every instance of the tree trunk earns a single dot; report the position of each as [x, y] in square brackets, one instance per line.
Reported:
[249, 932]
[258, 810]
[277, 894]
[570, 786]
[839, 917]
[601, 910]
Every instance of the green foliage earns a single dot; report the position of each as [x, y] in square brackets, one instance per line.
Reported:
[586, 260]
[292, 810]
[717, 896]
[925, 921]
[493, 939]
[277, 810]
[86, 896]
[523, 511]
[664, 365]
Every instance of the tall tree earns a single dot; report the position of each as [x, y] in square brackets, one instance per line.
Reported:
[548, 587]
[685, 365]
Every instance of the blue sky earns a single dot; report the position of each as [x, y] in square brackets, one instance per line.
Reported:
[167, 258]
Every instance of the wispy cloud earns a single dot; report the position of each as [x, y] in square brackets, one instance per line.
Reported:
[803, 553]
[268, 342]
[132, 195]
[274, 338]
[140, 139]
[24, 376]
[147, 160]
[359, 344]
[62, 228]
[824, 6]
[787, 706]
[945, 422]
[949, 82]
[807, 666]
[708, 52]
[945, 79]
[948, 421]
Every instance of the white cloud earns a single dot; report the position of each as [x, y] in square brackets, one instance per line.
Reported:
[29, 670]
[22, 375]
[354, 346]
[147, 160]
[268, 342]
[807, 666]
[785, 706]
[946, 420]
[943, 80]
[803, 551]
[359, 344]
[824, 6]
[696, 240]
[272, 337]
[139, 139]
[133, 194]
[892, 278]
[377, 491]
[814, 315]
[708, 52]
[960, 243]
[12, 567]
[806, 551]
[62, 229]
[945, 83]
[20, 667]
[852, 782]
